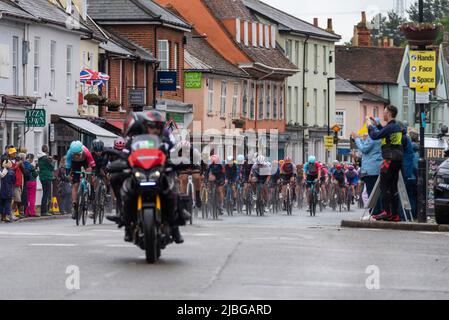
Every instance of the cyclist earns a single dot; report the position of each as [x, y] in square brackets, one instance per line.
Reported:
[287, 176]
[245, 176]
[324, 173]
[339, 178]
[299, 180]
[231, 175]
[78, 157]
[352, 179]
[260, 174]
[215, 173]
[312, 174]
[189, 166]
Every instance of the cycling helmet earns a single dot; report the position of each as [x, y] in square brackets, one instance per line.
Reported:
[76, 147]
[312, 159]
[215, 159]
[230, 159]
[260, 159]
[288, 159]
[335, 162]
[119, 144]
[98, 145]
[351, 167]
[240, 159]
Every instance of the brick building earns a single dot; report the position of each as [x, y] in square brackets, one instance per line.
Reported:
[152, 29]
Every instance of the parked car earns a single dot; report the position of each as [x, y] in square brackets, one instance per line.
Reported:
[441, 191]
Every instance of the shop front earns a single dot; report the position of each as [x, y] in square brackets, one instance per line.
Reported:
[12, 121]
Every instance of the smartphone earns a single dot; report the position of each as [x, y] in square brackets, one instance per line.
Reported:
[373, 121]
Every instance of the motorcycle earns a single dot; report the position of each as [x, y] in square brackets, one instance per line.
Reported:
[146, 163]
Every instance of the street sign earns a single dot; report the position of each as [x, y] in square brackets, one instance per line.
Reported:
[423, 69]
[52, 132]
[329, 142]
[166, 80]
[422, 95]
[136, 97]
[35, 118]
[193, 80]
[336, 128]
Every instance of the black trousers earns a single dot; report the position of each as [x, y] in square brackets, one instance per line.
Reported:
[389, 176]
[46, 196]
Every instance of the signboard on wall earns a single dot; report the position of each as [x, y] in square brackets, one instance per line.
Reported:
[423, 65]
[35, 118]
[193, 80]
[167, 80]
[136, 97]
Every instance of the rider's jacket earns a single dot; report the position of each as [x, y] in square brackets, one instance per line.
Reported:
[391, 137]
[217, 170]
[232, 173]
[101, 163]
[86, 157]
[287, 170]
[312, 175]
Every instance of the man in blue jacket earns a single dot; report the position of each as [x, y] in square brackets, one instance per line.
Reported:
[392, 154]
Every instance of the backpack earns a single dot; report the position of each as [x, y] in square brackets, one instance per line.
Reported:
[313, 169]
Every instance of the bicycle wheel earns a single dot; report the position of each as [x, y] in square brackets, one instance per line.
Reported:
[84, 206]
[205, 203]
[289, 202]
[190, 194]
[349, 199]
[102, 206]
[78, 206]
[249, 201]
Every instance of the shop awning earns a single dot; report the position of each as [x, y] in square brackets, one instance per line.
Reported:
[116, 123]
[87, 127]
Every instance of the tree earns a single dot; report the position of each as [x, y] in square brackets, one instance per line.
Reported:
[434, 10]
[387, 26]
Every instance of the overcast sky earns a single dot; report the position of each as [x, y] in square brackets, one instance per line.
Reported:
[345, 14]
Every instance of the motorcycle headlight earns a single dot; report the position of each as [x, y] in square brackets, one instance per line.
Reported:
[140, 176]
[155, 175]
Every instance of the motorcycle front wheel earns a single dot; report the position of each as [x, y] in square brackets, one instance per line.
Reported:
[150, 236]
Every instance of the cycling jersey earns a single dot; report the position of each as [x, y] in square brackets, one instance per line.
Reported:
[312, 171]
[246, 171]
[101, 162]
[85, 161]
[287, 171]
[339, 176]
[231, 173]
[324, 173]
[275, 177]
[352, 177]
[218, 171]
[261, 172]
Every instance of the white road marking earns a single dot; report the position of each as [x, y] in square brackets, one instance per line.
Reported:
[52, 244]
[119, 246]
[28, 234]
[105, 230]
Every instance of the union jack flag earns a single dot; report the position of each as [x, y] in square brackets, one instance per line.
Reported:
[93, 78]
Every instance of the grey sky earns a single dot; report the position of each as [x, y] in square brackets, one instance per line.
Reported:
[345, 13]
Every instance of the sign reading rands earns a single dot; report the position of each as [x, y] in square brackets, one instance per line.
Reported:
[35, 118]
[423, 69]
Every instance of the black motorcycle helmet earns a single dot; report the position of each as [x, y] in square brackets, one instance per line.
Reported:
[98, 145]
[135, 124]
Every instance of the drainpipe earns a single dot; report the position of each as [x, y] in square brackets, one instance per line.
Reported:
[304, 100]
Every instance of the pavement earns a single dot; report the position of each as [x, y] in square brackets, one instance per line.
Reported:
[240, 257]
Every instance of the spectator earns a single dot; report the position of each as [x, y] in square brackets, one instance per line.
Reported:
[410, 171]
[17, 166]
[46, 171]
[23, 187]
[31, 186]
[393, 154]
[5, 155]
[8, 180]
[371, 161]
[64, 188]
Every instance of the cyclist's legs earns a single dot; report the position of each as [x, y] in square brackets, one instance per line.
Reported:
[183, 181]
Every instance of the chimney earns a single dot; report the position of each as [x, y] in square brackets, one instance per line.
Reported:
[362, 33]
[330, 27]
[315, 22]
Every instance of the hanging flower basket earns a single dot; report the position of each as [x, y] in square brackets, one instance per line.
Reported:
[421, 34]
[92, 99]
[113, 105]
[238, 123]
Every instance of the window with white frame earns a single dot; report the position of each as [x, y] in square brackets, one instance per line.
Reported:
[245, 99]
[53, 67]
[296, 113]
[405, 103]
[297, 53]
[69, 72]
[306, 58]
[324, 59]
[235, 99]
[260, 35]
[315, 58]
[267, 36]
[238, 34]
[37, 49]
[252, 100]
[175, 56]
[15, 65]
[315, 105]
[275, 102]
[325, 106]
[281, 103]
[224, 86]
[289, 100]
[289, 49]
[340, 120]
[268, 101]
[306, 107]
[210, 100]
[254, 34]
[261, 99]
[163, 54]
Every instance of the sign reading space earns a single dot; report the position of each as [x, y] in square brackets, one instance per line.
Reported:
[35, 118]
[423, 66]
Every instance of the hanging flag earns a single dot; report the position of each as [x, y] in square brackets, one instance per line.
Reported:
[93, 78]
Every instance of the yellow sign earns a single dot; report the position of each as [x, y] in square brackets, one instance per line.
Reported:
[336, 128]
[422, 89]
[423, 65]
[363, 131]
[329, 142]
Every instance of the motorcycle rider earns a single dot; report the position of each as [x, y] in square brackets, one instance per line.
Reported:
[151, 122]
